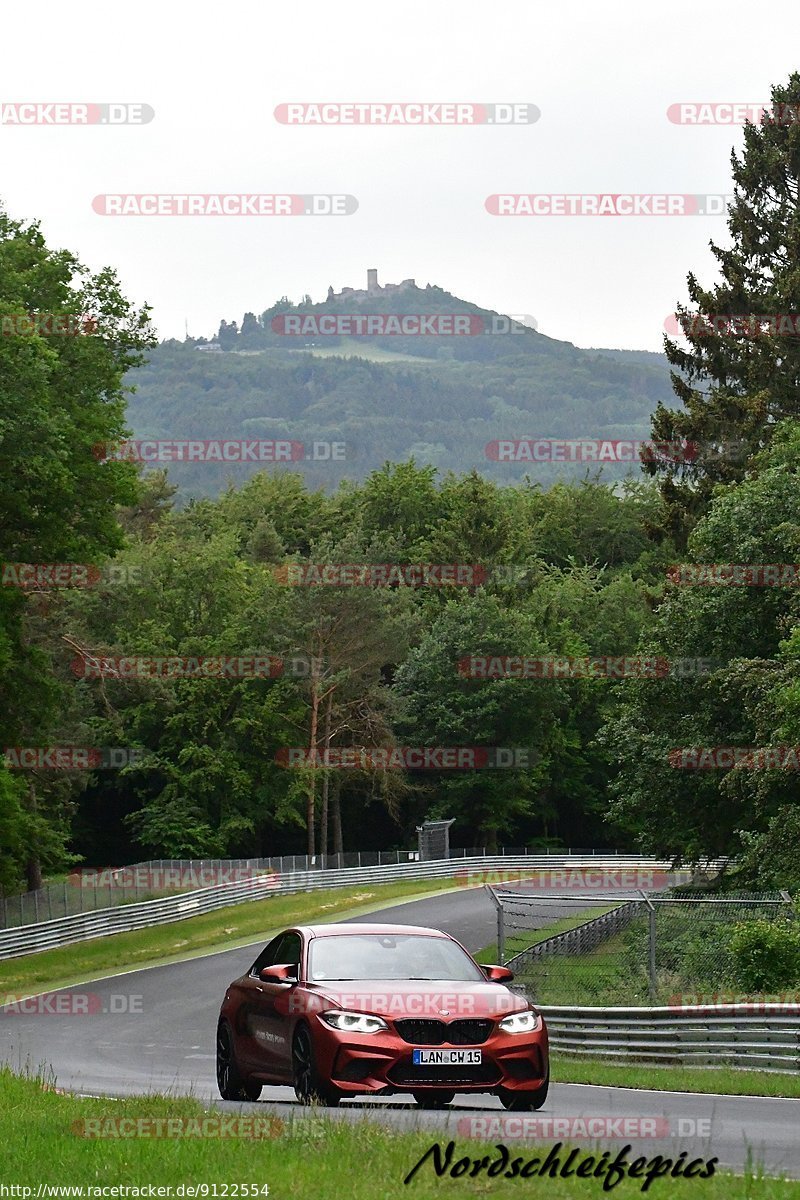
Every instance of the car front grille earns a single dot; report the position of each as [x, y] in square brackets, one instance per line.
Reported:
[443, 1033]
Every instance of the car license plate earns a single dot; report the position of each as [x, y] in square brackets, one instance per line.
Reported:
[446, 1058]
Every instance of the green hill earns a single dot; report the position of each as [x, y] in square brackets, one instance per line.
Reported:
[443, 399]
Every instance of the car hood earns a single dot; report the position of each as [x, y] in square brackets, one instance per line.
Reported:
[417, 998]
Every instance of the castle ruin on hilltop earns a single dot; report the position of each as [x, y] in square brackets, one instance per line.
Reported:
[373, 288]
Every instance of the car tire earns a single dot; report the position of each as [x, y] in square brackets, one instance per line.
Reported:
[231, 1083]
[308, 1087]
[525, 1101]
[434, 1099]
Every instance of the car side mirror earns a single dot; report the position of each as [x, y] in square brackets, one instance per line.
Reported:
[498, 974]
[278, 974]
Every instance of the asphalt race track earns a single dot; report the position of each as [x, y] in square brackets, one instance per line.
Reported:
[153, 1030]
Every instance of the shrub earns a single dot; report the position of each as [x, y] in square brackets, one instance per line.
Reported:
[766, 954]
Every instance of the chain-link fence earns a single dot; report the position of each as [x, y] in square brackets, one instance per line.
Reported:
[638, 948]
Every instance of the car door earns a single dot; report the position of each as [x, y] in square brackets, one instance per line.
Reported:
[268, 1021]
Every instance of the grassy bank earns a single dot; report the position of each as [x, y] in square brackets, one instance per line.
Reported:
[524, 939]
[223, 929]
[728, 1081]
[302, 1158]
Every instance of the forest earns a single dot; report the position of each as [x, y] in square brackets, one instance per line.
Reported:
[194, 665]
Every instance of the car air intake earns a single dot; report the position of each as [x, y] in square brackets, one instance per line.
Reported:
[405, 1074]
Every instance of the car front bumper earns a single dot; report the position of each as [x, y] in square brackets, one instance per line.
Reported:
[383, 1062]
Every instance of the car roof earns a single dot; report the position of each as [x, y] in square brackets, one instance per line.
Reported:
[338, 929]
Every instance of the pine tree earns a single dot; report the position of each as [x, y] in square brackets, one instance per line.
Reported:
[738, 378]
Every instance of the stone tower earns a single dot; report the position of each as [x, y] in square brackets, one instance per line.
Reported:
[372, 280]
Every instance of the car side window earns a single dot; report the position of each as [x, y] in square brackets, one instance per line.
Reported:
[285, 948]
[289, 950]
[269, 955]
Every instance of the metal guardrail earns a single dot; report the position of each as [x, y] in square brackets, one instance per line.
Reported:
[87, 889]
[766, 1036]
[80, 927]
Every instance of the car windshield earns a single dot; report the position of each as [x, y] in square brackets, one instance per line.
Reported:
[390, 956]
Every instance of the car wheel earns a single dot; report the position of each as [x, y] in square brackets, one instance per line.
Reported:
[524, 1101]
[232, 1085]
[433, 1099]
[308, 1087]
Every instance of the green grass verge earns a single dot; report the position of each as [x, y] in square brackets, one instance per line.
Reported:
[531, 937]
[601, 976]
[223, 929]
[727, 1081]
[313, 1157]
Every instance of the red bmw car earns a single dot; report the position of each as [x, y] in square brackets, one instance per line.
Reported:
[348, 1010]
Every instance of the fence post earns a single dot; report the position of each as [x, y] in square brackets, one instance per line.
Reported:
[501, 933]
[651, 940]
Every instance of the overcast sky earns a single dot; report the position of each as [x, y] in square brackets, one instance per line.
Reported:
[603, 76]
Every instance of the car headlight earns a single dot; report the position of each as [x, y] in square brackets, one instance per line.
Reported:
[351, 1022]
[521, 1022]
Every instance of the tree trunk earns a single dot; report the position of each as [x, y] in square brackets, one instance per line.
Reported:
[338, 844]
[323, 818]
[311, 798]
[33, 867]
